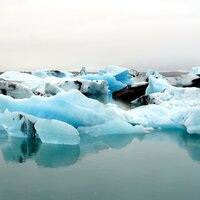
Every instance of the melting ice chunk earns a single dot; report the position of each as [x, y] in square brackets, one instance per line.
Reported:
[196, 70]
[156, 85]
[55, 73]
[116, 77]
[115, 126]
[49, 131]
[192, 122]
[71, 107]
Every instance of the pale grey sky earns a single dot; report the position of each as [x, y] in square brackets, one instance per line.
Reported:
[66, 34]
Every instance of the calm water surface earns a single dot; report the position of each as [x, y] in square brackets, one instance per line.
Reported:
[161, 165]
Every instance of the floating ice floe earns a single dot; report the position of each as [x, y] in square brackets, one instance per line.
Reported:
[22, 85]
[196, 70]
[89, 87]
[83, 71]
[114, 126]
[55, 119]
[71, 107]
[154, 73]
[183, 80]
[15, 90]
[113, 84]
[116, 77]
[52, 73]
[32, 83]
[192, 122]
[48, 131]
[120, 73]
[169, 108]
[141, 81]
[161, 92]
[150, 116]
[161, 85]
[19, 77]
[62, 106]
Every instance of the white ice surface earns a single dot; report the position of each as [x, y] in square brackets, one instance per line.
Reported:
[156, 85]
[46, 84]
[49, 131]
[116, 77]
[173, 107]
[71, 107]
[192, 122]
[114, 126]
[52, 73]
[196, 70]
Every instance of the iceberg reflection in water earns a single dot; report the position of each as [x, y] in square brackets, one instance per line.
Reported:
[188, 142]
[19, 150]
[52, 155]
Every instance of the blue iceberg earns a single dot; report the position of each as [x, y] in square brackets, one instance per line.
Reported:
[168, 107]
[71, 107]
[47, 130]
[156, 85]
[116, 77]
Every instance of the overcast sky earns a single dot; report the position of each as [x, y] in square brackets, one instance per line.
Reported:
[66, 34]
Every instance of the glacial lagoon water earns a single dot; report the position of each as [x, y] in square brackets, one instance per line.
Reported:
[161, 165]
